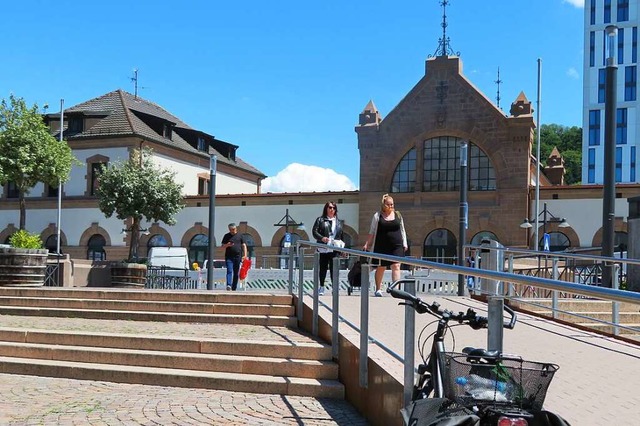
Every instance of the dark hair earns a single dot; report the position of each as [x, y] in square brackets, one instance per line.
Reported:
[326, 207]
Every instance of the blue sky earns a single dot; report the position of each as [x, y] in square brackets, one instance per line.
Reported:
[285, 80]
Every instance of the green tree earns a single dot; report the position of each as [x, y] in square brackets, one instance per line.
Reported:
[568, 140]
[137, 189]
[28, 152]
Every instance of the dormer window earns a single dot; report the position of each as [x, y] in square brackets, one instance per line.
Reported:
[166, 131]
[76, 124]
[202, 144]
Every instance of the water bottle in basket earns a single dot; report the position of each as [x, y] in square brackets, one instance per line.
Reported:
[484, 389]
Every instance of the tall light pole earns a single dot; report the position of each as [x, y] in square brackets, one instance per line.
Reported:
[609, 187]
[537, 201]
[464, 213]
[212, 219]
[60, 187]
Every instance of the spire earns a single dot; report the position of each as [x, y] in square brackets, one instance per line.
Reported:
[444, 43]
[369, 114]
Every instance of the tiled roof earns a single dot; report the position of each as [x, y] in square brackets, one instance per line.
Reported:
[124, 115]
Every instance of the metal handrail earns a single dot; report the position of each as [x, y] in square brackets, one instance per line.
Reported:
[550, 284]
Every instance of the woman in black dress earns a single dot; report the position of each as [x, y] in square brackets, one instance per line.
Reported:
[387, 236]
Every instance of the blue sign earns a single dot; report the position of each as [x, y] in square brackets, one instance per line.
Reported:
[287, 238]
[546, 242]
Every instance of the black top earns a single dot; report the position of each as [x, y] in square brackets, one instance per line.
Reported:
[389, 237]
[236, 249]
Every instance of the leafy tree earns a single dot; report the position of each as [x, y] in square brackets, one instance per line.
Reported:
[568, 140]
[28, 152]
[139, 189]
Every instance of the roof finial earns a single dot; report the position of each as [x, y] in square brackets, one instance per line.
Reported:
[498, 81]
[444, 43]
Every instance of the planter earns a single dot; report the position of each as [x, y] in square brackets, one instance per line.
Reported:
[128, 274]
[23, 267]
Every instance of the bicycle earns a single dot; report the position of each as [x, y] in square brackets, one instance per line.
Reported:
[477, 386]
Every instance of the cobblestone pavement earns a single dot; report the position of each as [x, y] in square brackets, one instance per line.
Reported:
[209, 331]
[30, 400]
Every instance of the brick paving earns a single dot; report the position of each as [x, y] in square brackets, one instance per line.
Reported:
[30, 400]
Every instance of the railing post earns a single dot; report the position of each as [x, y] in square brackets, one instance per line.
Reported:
[511, 289]
[364, 327]
[291, 258]
[615, 307]
[495, 332]
[409, 343]
[554, 293]
[316, 282]
[300, 282]
[335, 314]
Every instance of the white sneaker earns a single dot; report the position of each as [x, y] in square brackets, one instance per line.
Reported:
[320, 291]
[228, 288]
[378, 293]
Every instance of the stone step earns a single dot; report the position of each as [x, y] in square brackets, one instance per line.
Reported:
[265, 320]
[308, 350]
[146, 305]
[576, 305]
[241, 364]
[255, 383]
[628, 329]
[196, 296]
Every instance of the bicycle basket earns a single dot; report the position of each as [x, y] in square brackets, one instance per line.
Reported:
[510, 380]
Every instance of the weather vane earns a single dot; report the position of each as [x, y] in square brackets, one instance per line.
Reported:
[498, 81]
[444, 43]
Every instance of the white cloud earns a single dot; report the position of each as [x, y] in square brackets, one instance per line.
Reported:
[576, 3]
[571, 72]
[303, 178]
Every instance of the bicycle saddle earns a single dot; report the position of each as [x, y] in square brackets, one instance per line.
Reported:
[480, 353]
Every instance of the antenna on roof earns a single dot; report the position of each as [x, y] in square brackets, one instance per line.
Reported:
[498, 81]
[135, 83]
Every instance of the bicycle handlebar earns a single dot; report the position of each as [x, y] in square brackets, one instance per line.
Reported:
[470, 317]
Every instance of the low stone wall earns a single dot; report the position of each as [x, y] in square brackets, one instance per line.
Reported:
[380, 402]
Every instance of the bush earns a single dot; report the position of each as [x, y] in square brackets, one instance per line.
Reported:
[25, 239]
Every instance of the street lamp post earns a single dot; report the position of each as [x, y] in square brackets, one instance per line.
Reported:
[609, 185]
[288, 221]
[212, 219]
[464, 213]
[547, 217]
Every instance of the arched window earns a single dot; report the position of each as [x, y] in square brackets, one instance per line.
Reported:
[557, 241]
[95, 248]
[482, 235]
[250, 242]
[404, 177]
[199, 249]
[157, 240]
[620, 241]
[440, 246]
[442, 166]
[52, 243]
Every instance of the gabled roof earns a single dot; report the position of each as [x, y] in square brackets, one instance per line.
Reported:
[121, 114]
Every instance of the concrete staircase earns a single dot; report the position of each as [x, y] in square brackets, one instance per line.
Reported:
[236, 341]
[588, 313]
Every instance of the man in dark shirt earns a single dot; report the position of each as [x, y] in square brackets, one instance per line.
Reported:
[235, 251]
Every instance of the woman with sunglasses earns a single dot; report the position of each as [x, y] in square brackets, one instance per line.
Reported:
[386, 236]
[327, 229]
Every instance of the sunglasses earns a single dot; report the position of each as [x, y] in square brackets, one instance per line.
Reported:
[331, 207]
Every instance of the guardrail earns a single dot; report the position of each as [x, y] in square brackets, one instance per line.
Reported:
[493, 277]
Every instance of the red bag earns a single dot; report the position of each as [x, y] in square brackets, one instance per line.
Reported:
[244, 268]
